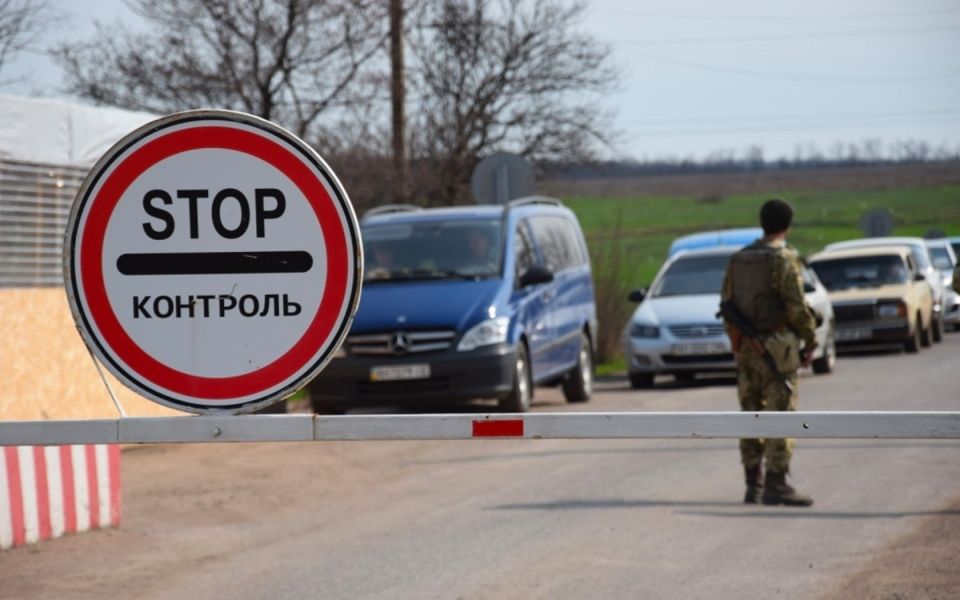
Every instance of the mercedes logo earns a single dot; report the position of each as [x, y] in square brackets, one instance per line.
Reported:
[399, 343]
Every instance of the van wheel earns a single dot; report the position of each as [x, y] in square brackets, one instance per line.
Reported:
[519, 398]
[322, 407]
[926, 334]
[938, 329]
[825, 363]
[640, 381]
[912, 345]
[578, 384]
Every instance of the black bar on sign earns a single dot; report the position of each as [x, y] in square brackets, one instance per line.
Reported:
[214, 263]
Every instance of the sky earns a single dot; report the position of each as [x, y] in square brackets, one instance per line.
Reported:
[700, 77]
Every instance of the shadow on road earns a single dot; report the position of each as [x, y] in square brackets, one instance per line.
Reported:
[778, 512]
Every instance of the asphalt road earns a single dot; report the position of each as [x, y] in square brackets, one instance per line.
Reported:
[526, 518]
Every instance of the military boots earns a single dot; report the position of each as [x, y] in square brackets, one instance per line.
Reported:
[754, 476]
[776, 490]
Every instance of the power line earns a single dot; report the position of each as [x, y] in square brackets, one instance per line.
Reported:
[688, 16]
[780, 37]
[798, 118]
[794, 77]
[766, 128]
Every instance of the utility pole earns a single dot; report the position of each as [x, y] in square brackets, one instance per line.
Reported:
[397, 92]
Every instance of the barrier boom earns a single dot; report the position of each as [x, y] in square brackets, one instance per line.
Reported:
[631, 425]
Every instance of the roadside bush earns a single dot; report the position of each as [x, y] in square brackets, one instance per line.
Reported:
[607, 253]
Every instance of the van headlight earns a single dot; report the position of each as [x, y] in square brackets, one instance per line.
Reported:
[491, 331]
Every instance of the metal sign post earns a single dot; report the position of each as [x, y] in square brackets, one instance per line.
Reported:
[213, 261]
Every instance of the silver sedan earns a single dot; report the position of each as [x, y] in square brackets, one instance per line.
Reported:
[675, 329]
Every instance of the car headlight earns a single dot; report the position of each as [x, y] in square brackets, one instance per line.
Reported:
[642, 330]
[491, 331]
[892, 310]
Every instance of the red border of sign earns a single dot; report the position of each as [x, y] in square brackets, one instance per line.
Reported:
[91, 258]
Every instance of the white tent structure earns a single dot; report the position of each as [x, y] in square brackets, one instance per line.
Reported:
[46, 148]
[58, 132]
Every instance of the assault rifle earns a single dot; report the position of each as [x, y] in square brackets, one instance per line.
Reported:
[736, 319]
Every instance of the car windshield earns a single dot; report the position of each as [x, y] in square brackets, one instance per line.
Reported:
[694, 275]
[464, 249]
[941, 258]
[860, 271]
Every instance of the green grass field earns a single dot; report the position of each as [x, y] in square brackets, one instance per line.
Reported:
[648, 225]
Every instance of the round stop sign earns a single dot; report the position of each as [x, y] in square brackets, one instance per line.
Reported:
[213, 261]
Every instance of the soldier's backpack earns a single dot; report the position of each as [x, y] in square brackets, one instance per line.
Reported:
[752, 289]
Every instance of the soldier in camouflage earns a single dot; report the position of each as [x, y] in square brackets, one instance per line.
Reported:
[763, 280]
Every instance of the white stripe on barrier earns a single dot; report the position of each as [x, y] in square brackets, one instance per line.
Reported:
[28, 491]
[103, 483]
[302, 428]
[6, 516]
[81, 490]
[55, 489]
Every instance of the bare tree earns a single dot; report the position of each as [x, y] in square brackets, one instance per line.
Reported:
[502, 75]
[21, 21]
[288, 61]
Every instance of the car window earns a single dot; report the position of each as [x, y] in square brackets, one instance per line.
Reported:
[432, 250]
[694, 275]
[941, 258]
[807, 276]
[921, 257]
[861, 272]
[956, 248]
[558, 242]
[522, 251]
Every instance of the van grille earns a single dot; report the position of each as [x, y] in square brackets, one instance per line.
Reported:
[399, 343]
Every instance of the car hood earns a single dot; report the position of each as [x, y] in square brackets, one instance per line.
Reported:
[672, 310]
[424, 304]
[873, 293]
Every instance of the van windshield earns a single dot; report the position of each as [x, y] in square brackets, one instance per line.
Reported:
[699, 275]
[466, 249]
[861, 271]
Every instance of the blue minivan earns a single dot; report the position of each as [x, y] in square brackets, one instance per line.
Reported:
[463, 303]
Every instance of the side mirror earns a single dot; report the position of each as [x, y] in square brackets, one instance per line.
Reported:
[808, 288]
[919, 277]
[536, 274]
[818, 317]
[637, 295]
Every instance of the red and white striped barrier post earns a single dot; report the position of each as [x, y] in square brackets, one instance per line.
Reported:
[47, 491]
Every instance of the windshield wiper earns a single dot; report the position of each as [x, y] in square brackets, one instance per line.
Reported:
[424, 274]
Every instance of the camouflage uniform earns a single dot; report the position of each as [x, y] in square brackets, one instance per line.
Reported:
[757, 386]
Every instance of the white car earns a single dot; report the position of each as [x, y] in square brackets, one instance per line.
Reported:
[675, 329]
[945, 260]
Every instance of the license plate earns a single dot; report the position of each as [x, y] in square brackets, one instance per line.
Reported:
[399, 372]
[695, 349]
[851, 335]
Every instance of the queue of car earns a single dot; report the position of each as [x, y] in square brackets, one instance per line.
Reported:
[890, 290]
[487, 302]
